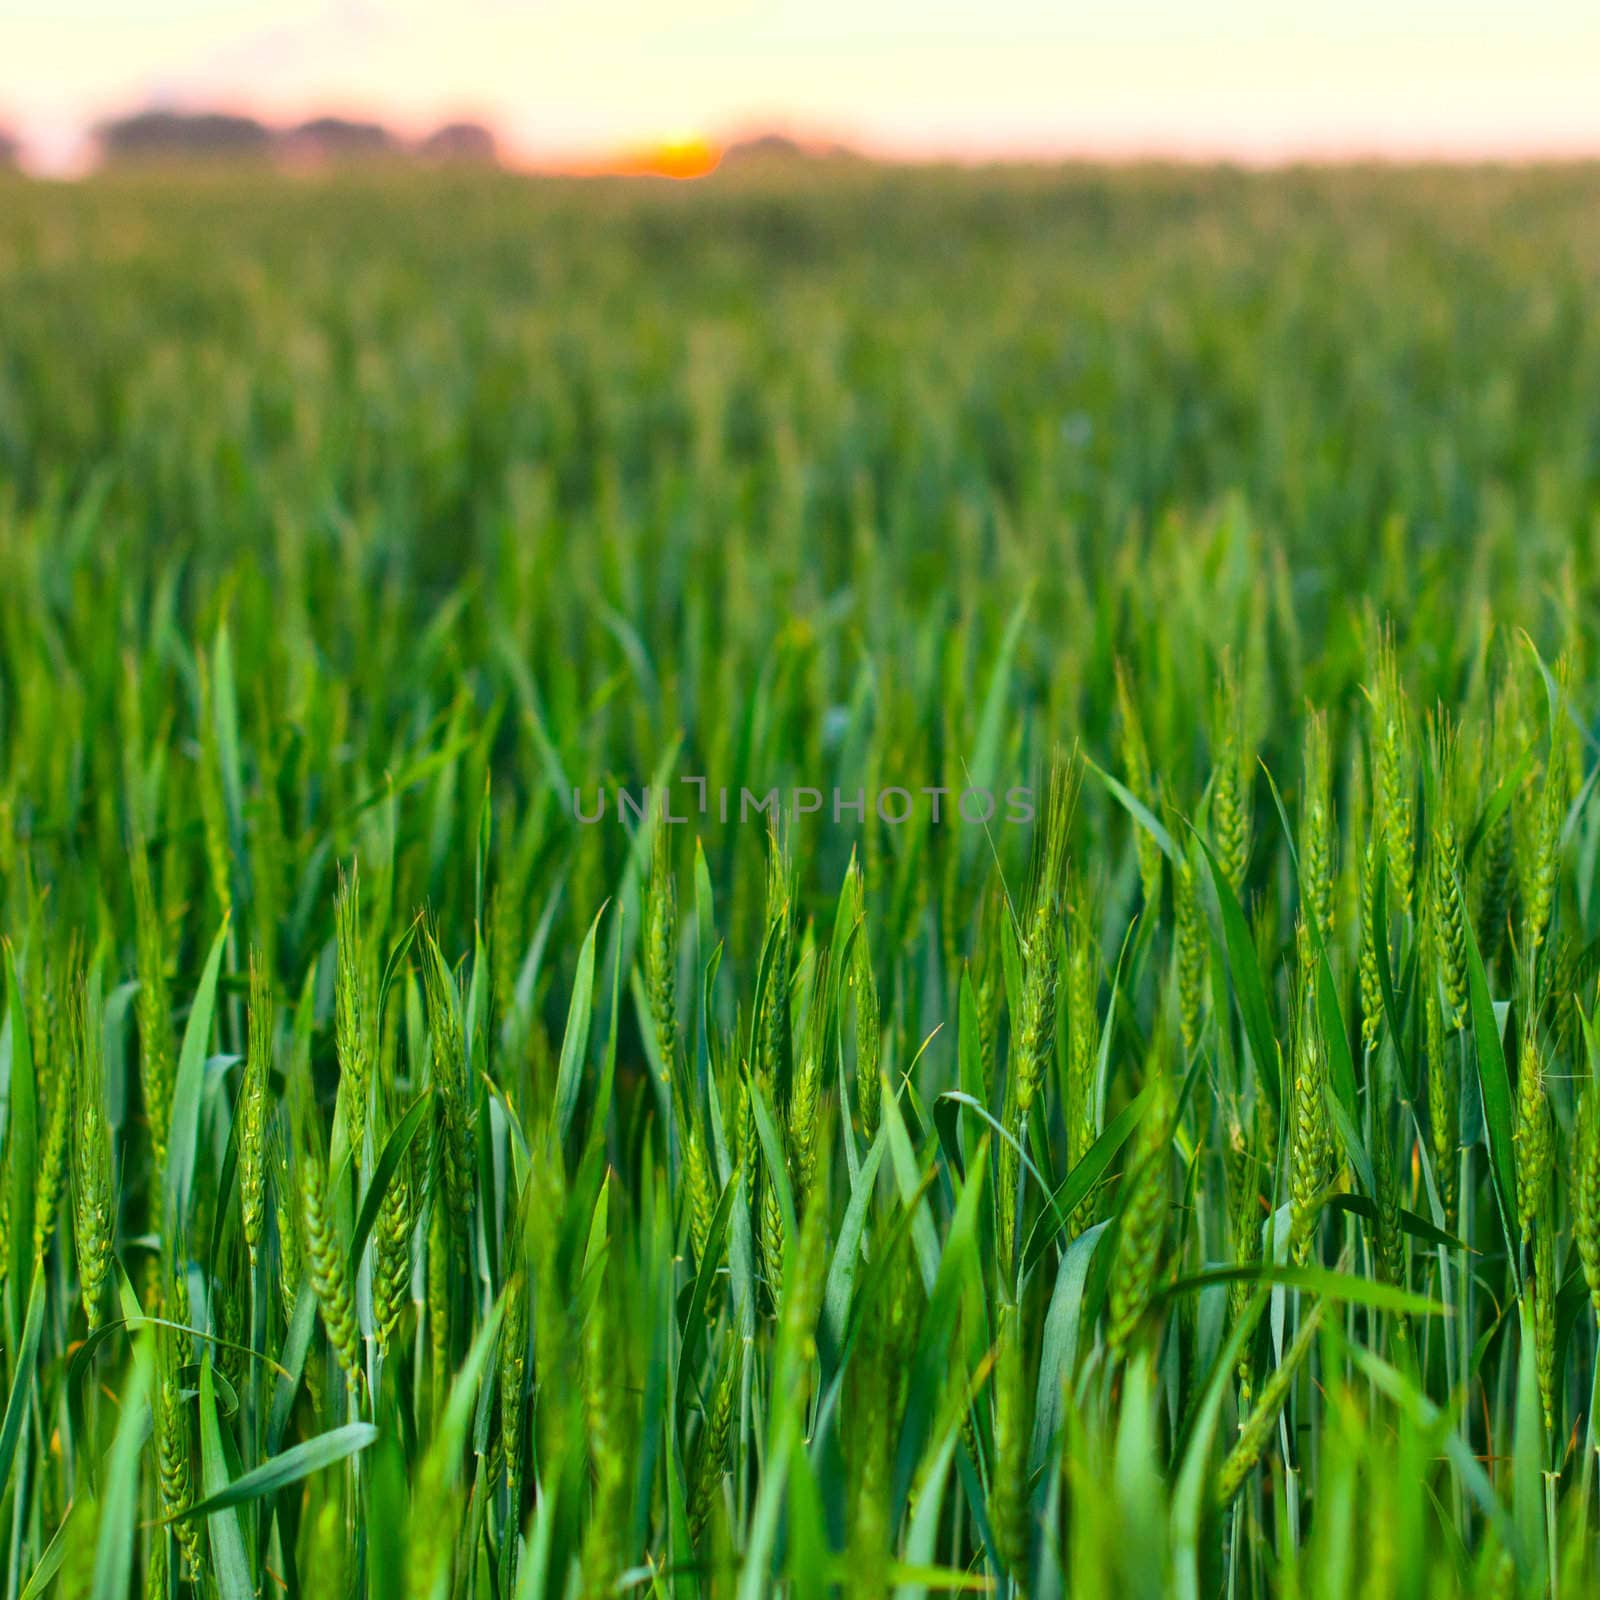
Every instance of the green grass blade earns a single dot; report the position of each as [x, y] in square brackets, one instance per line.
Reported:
[1248, 987]
[1498, 1112]
[230, 1560]
[1345, 1287]
[21, 1139]
[185, 1130]
[22, 1377]
[394, 1151]
[297, 1462]
[575, 1040]
[119, 1499]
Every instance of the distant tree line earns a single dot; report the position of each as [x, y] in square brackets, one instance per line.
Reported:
[164, 135]
[158, 135]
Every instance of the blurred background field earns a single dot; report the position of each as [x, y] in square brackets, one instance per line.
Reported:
[842, 379]
[802, 425]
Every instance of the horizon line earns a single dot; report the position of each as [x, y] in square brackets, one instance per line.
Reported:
[817, 146]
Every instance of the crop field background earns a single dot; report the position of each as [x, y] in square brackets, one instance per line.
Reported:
[1185, 1181]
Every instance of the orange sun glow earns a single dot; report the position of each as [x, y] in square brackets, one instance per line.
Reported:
[689, 156]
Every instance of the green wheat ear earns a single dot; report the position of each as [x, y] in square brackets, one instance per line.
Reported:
[1190, 939]
[329, 1270]
[439, 1306]
[813, 1066]
[1586, 1188]
[213, 806]
[1447, 906]
[989, 980]
[661, 950]
[1554, 796]
[351, 1024]
[1494, 866]
[1444, 1101]
[1546, 1288]
[55, 1070]
[1144, 1202]
[453, 1092]
[1395, 772]
[711, 1455]
[774, 1050]
[153, 1007]
[1232, 771]
[94, 1213]
[174, 1449]
[1041, 935]
[1318, 832]
[513, 1383]
[1034, 1042]
[1258, 1426]
[1534, 1138]
[253, 1107]
[1242, 1170]
[286, 1210]
[1310, 1136]
[391, 1273]
[702, 1194]
[868, 1020]
[1083, 1035]
[773, 1235]
[1368, 962]
[1390, 1245]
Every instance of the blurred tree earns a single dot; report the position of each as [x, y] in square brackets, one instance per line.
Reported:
[158, 135]
[467, 143]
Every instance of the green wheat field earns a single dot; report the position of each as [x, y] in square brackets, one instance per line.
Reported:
[1185, 1181]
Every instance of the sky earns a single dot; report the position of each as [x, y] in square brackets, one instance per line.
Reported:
[572, 81]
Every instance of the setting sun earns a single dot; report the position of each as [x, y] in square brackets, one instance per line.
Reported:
[685, 156]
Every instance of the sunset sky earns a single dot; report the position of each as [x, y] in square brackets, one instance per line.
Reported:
[572, 80]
